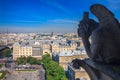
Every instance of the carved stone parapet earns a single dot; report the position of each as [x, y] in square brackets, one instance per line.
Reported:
[97, 70]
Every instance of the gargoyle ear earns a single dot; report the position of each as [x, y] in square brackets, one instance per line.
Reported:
[86, 15]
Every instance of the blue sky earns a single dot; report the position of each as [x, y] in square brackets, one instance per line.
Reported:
[47, 15]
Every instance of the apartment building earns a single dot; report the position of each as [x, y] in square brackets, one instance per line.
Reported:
[29, 49]
[66, 57]
[63, 46]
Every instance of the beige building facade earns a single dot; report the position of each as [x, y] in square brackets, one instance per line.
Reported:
[19, 51]
[56, 47]
[66, 57]
[29, 50]
[64, 60]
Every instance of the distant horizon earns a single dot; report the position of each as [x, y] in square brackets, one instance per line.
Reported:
[10, 30]
[58, 16]
[37, 32]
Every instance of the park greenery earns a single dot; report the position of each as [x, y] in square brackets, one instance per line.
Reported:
[31, 60]
[3, 74]
[6, 52]
[0, 65]
[52, 68]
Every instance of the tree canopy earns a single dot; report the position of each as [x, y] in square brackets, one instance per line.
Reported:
[53, 70]
[6, 52]
[29, 59]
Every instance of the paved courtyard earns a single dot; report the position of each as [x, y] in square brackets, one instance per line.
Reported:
[37, 74]
[26, 75]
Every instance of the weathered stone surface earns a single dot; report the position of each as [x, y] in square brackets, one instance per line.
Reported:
[105, 35]
[104, 49]
[86, 26]
[106, 38]
[97, 70]
[108, 70]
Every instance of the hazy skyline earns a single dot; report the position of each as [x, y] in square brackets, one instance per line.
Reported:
[47, 15]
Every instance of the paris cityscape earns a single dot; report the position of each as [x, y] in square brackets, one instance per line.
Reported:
[39, 38]
[63, 48]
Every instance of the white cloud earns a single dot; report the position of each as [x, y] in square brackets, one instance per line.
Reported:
[24, 21]
[63, 21]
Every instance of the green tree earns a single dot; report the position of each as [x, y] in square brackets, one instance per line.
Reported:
[0, 65]
[46, 58]
[39, 62]
[6, 52]
[24, 60]
[21, 60]
[29, 59]
[53, 70]
[32, 61]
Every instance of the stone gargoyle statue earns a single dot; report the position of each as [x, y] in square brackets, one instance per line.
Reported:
[105, 35]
